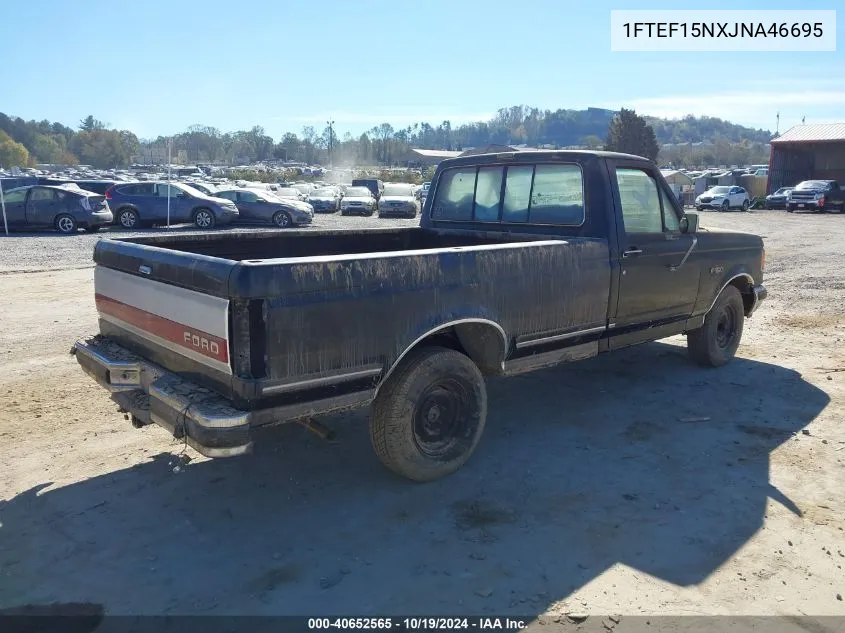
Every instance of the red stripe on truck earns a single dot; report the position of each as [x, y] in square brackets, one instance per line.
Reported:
[182, 335]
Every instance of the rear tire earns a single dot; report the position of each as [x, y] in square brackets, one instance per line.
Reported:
[429, 416]
[128, 218]
[715, 343]
[204, 219]
[65, 224]
[745, 205]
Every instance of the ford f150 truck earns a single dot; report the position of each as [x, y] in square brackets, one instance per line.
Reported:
[522, 260]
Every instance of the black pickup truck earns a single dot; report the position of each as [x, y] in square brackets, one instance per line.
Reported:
[522, 260]
[816, 195]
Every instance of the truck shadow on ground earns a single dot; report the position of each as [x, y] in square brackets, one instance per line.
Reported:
[637, 457]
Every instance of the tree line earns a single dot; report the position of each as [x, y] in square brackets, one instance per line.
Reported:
[94, 143]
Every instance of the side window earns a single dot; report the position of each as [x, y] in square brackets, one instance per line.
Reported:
[141, 189]
[488, 194]
[247, 196]
[640, 201]
[40, 194]
[455, 195]
[557, 196]
[670, 217]
[175, 192]
[517, 194]
[16, 197]
[60, 195]
[229, 195]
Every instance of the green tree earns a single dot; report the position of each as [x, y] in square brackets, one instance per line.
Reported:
[631, 134]
[12, 154]
[89, 124]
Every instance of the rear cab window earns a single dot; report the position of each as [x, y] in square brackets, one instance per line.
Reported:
[541, 193]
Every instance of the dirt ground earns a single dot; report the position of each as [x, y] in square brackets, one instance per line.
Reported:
[635, 483]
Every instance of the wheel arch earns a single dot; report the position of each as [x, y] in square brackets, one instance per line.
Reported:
[743, 282]
[484, 341]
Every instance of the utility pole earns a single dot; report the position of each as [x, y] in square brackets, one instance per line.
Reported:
[777, 129]
[331, 140]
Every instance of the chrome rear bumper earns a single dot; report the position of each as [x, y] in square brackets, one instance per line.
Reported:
[207, 421]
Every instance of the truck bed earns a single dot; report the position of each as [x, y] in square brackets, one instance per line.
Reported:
[256, 245]
[267, 318]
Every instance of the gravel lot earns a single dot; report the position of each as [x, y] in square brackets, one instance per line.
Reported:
[635, 483]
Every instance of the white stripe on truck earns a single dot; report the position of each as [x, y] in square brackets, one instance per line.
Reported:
[190, 323]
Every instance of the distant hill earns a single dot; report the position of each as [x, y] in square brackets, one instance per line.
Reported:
[524, 124]
[29, 142]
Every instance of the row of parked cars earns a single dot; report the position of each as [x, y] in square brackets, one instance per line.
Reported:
[68, 207]
[815, 195]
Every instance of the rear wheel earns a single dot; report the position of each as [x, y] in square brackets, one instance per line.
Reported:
[65, 223]
[128, 218]
[204, 219]
[745, 205]
[282, 219]
[429, 416]
[715, 343]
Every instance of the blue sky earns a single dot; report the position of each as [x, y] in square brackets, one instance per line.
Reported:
[156, 67]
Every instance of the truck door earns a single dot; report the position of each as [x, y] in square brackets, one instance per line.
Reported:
[659, 276]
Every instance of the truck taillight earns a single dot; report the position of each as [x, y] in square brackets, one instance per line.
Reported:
[763, 260]
[821, 202]
[108, 193]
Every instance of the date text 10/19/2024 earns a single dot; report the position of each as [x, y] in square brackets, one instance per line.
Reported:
[417, 624]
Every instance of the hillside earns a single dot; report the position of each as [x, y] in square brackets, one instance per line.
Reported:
[31, 142]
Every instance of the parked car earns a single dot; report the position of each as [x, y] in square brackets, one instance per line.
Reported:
[357, 201]
[204, 187]
[777, 199]
[723, 198]
[290, 192]
[816, 195]
[422, 194]
[279, 327]
[305, 188]
[262, 207]
[397, 200]
[65, 208]
[145, 204]
[325, 200]
[375, 185]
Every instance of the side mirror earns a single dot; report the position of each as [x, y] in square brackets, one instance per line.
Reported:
[689, 223]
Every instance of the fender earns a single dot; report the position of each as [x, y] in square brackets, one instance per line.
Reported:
[697, 319]
[440, 328]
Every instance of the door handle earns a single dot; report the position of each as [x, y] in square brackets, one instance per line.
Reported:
[631, 251]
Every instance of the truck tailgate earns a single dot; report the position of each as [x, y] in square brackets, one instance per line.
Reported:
[183, 321]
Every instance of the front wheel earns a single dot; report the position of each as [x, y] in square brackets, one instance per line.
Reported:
[204, 219]
[282, 220]
[65, 224]
[715, 343]
[429, 416]
[726, 206]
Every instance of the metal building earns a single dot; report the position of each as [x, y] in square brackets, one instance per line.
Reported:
[805, 152]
